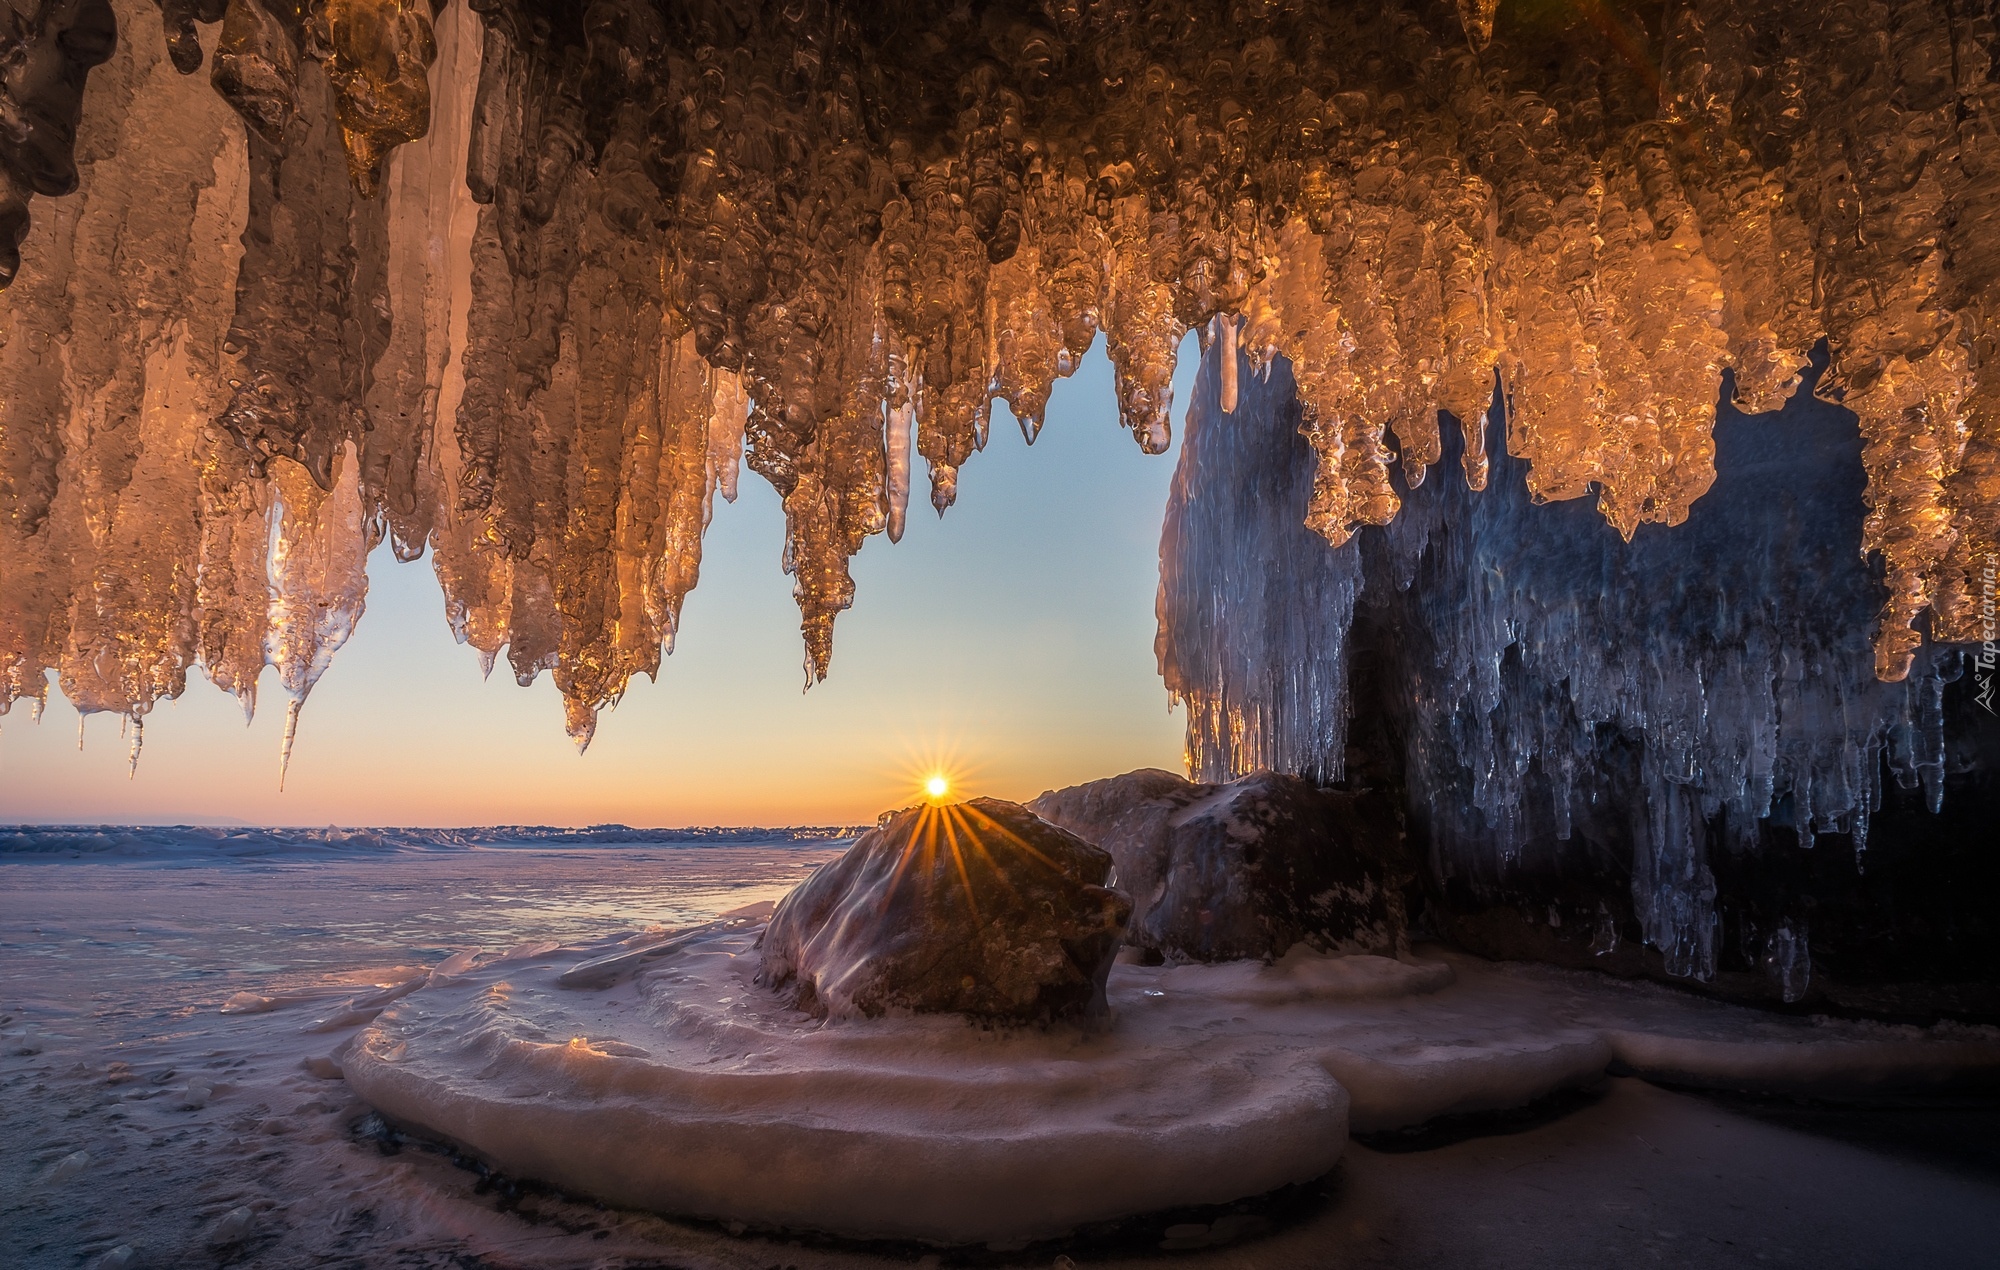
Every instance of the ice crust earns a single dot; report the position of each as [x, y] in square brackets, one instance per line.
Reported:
[522, 283]
[115, 970]
[688, 1089]
[693, 1091]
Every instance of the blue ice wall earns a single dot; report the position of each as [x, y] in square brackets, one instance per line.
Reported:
[1549, 696]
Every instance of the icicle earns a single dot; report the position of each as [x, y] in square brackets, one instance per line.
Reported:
[138, 743]
[944, 487]
[904, 383]
[1226, 401]
[1477, 18]
[292, 708]
[1788, 962]
[1605, 941]
[725, 436]
[581, 722]
[901, 424]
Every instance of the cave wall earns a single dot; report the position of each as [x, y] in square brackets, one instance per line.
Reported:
[1669, 756]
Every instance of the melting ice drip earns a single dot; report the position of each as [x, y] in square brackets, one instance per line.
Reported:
[519, 281]
[1521, 660]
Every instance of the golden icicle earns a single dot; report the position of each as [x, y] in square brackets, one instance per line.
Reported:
[639, 243]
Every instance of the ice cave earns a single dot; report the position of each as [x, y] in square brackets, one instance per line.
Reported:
[1581, 576]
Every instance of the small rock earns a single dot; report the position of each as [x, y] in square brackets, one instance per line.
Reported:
[69, 1166]
[197, 1094]
[234, 1226]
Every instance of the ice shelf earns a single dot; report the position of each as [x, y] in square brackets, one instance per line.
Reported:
[687, 1088]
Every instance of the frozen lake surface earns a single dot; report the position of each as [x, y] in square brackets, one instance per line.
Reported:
[145, 1126]
[113, 973]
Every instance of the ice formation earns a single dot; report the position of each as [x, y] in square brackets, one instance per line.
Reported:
[104, 1054]
[1535, 683]
[519, 281]
[691, 1089]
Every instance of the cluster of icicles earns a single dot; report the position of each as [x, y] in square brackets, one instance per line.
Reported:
[518, 281]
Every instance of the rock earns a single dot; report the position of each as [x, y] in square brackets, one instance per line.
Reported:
[69, 1166]
[1246, 869]
[978, 908]
[234, 1227]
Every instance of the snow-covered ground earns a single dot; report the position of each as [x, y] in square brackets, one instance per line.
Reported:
[146, 1125]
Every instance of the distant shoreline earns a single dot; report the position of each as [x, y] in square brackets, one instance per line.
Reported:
[32, 842]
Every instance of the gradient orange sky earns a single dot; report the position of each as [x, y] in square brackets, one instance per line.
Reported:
[1010, 643]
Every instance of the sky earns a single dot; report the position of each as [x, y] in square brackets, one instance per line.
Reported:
[1009, 645]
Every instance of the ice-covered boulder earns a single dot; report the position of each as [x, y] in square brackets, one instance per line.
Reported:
[1246, 869]
[979, 908]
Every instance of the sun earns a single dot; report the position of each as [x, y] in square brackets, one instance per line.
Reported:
[936, 773]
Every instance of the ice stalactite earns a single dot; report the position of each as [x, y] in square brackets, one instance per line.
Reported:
[1533, 679]
[1254, 606]
[319, 550]
[113, 365]
[533, 263]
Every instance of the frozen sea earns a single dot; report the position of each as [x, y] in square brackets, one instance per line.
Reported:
[145, 1126]
[120, 948]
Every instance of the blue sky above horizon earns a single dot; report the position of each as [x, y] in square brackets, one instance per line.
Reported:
[1010, 643]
